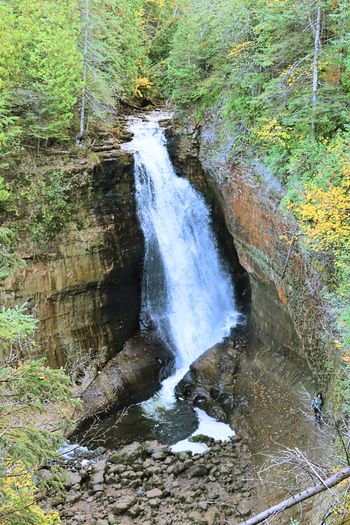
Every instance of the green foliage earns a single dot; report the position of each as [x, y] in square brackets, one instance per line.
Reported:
[18, 500]
[112, 46]
[54, 206]
[9, 129]
[5, 195]
[253, 64]
[9, 68]
[15, 325]
[160, 21]
[47, 64]
[47, 203]
[27, 390]
[45, 45]
[9, 259]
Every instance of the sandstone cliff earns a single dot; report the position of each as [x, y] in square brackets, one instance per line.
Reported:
[84, 288]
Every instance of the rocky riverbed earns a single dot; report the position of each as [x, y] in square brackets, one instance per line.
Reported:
[148, 484]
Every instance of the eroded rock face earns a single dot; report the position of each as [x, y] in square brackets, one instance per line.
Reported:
[84, 288]
[287, 310]
[131, 376]
[210, 381]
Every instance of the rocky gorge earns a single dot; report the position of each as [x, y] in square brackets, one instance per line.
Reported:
[85, 290]
[288, 312]
[148, 484]
[84, 285]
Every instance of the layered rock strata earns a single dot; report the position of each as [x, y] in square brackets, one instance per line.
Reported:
[84, 288]
[289, 314]
[133, 375]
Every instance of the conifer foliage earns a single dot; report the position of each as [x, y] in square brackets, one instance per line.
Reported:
[28, 389]
[277, 74]
[63, 59]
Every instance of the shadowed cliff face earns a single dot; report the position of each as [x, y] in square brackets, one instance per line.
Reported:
[85, 288]
[287, 311]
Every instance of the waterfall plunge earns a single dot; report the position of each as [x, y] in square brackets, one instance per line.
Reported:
[187, 294]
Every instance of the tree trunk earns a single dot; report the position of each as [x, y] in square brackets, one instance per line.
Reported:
[85, 52]
[333, 480]
[315, 69]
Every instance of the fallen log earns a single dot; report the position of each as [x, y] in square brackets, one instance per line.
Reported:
[326, 484]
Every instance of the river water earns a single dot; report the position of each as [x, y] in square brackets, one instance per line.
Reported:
[187, 293]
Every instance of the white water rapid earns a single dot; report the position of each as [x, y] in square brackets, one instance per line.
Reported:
[187, 293]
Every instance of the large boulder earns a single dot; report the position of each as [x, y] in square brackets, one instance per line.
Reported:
[131, 376]
[210, 381]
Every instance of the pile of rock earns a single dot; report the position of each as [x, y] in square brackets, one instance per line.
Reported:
[148, 484]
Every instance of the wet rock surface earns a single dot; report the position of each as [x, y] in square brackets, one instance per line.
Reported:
[84, 287]
[288, 313]
[131, 376]
[148, 484]
[210, 382]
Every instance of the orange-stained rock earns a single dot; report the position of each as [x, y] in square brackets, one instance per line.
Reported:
[288, 310]
[288, 313]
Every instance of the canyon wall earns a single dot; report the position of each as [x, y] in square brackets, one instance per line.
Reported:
[84, 288]
[288, 313]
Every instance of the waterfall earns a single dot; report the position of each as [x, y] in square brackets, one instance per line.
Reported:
[187, 294]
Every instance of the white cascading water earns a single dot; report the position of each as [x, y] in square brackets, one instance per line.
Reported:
[187, 294]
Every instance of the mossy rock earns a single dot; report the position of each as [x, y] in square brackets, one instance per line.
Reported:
[119, 458]
[201, 438]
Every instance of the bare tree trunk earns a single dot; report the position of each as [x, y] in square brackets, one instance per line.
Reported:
[85, 51]
[333, 480]
[315, 69]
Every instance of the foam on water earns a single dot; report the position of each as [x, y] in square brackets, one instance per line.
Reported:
[187, 294]
[207, 426]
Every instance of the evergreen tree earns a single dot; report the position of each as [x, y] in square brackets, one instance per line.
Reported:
[27, 388]
[112, 45]
[45, 88]
[9, 70]
[160, 22]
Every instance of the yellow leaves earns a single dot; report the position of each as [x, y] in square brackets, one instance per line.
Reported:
[17, 498]
[271, 131]
[326, 214]
[293, 74]
[159, 3]
[238, 49]
[342, 508]
[142, 84]
[324, 207]
[273, 3]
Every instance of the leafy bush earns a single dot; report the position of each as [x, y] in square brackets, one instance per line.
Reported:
[48, 203]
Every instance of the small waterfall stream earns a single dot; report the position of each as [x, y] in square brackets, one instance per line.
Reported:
[187, 295]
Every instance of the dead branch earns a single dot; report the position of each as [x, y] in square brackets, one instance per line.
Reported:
[326, 484]
[288, 256]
